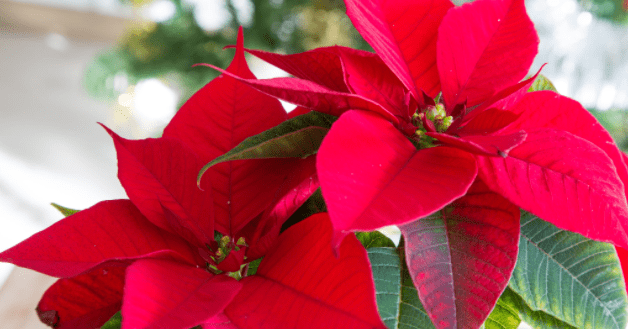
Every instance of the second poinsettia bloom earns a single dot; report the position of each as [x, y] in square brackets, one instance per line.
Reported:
[442, 104]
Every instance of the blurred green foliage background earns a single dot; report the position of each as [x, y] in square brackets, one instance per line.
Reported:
[167, 50]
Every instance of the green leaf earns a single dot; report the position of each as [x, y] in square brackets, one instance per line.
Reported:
[298, 137]
[374, 239]
[253, 265]
[536, 319]
[64, 210]
[397, 299]
[541, 83]
[115, 322]
[566, 275]
[505, 315]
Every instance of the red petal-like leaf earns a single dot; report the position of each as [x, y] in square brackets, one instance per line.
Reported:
[219, 321]
[372, 176]
[110, 230]
[368, 75]
[320, 65]
[311, 95]
[301, 184]
[546, 109]
[167, 294]
[483, 47]
[403, 33]
[622, 254]
[565, 180]
[488, 122]
[161, 173]
[83, 301]
[215, 120]
[301, 284]
[488, 145]
[461, 260]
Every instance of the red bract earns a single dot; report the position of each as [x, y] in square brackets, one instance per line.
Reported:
[401, 151]
[155, 256]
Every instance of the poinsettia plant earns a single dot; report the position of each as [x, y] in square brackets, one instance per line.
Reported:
[510, 198]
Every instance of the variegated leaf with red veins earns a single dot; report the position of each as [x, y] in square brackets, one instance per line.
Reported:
[301, 284]
[372, 176]
[86, 239]
[565, 180]
[403, 33]
[168, 294]
[83, 301]
[495, 51]
[461, 259]
[160, 174]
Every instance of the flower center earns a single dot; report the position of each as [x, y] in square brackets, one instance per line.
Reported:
[219, 251]
[432, 118]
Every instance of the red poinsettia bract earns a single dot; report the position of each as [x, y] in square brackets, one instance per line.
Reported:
[156, 258]
[440, 119]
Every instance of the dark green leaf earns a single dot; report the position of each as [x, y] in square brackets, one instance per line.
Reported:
[541, 83]
[397, 299]
[298, 137]
[253, 265]
[566, 275]
[374, 239]
[114, 322]
[64, 210]
[504, 316]
[536, 319]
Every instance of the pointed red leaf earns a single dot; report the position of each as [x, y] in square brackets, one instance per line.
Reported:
[372, 176]
[301, 284]
[565, 180]
[403, 33]
[320, 65]
[160, 174]
[84, 301]
[215, 120]
[109, 230]
[483, 47]
[311, 95]
[168, 294]
[461, 259]
[301, 184]
[546, 109]
[488, 145]
[367, 75]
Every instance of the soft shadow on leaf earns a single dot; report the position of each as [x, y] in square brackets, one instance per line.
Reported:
[566, 275]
